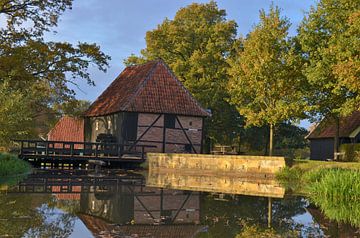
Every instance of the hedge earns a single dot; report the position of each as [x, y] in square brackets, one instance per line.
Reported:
[352, 152]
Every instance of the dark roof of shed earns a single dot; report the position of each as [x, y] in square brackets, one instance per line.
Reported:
[150, 87]
[327, 127]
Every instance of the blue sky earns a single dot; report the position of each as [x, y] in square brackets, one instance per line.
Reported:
[119, 27]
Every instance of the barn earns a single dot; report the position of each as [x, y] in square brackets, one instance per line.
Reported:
[322, 136]
[147, 105]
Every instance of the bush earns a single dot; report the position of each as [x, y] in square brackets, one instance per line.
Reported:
[11, 165]
[352, 152]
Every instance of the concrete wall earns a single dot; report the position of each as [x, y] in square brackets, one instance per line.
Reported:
[217, 164]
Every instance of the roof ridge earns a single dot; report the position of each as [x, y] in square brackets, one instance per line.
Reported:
[142, 84]
[183, 87]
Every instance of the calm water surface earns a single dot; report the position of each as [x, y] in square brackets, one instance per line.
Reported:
[116, 203]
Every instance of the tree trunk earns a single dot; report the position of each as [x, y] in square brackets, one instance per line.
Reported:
[271, 139]
[336, 137]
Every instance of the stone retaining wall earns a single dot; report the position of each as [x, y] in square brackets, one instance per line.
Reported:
[218, 164]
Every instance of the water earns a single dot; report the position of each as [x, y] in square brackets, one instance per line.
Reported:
[116, 203]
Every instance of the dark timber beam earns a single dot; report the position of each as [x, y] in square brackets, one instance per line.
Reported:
[187, 137]
[138, 139]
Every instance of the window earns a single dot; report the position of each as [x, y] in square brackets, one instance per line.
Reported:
[109, 124]
[169, 121]
[190, 123]
[97, 125]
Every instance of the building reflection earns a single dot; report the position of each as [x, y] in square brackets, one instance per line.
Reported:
[251, 186]
[119, 204]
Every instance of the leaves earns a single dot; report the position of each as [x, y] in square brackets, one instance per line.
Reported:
[329, 37]
[196, 44]
[35, 75]
[266, 78]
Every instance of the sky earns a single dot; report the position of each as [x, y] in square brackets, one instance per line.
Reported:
[119, 27]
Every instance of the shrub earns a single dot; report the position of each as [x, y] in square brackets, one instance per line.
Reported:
[11, 165]
[352, 152]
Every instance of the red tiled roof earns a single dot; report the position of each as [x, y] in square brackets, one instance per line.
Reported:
[150, 87]
[327, 127]
[68, 129]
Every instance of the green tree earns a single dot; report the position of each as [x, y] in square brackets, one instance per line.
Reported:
[329, 36]
[195, 45]
[35, 72]
[266, 74]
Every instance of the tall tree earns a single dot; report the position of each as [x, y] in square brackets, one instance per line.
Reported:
[33, 70]
[196, 44]
[329, 36]
[266, 74]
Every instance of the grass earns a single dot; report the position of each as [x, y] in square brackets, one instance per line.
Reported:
[337, 193]
[10, 165]
[332, 186]
[303, 172]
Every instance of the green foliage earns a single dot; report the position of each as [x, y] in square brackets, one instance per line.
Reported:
[15, 112]
[304, 172]
[10, 165]
[330, 43]
[266, 81]
[337, 193]
[195, 45]
[34, 74]
[266, 73]
[352, 152]
[254, 231]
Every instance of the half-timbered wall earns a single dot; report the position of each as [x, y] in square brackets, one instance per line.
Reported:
[170, 139]
[169, 133]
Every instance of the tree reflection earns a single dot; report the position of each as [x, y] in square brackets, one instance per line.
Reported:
[34, 215]
[228, 215]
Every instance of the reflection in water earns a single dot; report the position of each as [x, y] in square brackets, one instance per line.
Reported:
[119, 204]
[213, 183]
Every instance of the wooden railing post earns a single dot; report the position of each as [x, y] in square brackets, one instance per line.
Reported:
[72, 149]
[47, 149]
[21, 148]
[142, 152]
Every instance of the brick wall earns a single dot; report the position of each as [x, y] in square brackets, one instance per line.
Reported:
[175, 137]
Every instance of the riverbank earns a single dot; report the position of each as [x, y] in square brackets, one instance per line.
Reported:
[302, 172]
[332, 186]
[11, 165]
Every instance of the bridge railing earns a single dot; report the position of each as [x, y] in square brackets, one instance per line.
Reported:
[41, 148]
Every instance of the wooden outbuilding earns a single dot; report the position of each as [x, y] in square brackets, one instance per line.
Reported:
[322, 136]
[147, 104]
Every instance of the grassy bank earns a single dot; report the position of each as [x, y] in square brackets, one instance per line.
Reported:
[332, 186]
[10, 165]
[303, 172]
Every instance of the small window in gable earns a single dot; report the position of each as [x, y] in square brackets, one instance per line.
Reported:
[169, 121]
[109, 124]
[97, 125]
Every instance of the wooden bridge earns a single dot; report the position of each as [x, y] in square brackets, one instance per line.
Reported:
[39, 151]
